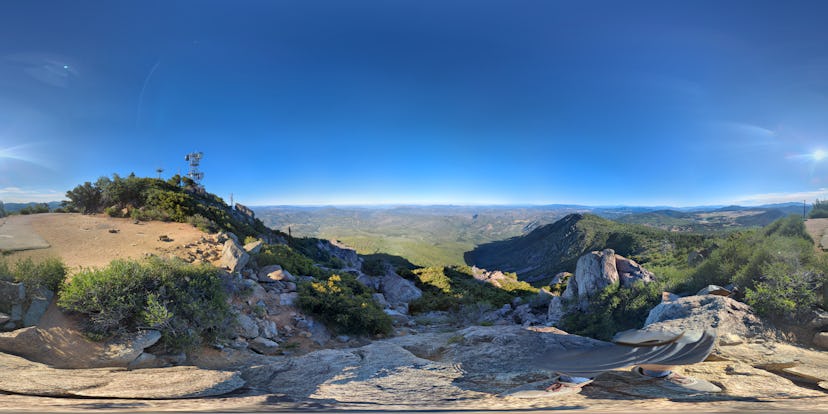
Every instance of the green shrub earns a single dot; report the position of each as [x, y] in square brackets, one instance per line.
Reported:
[451, 287]
[615, 309]
[48, 273]
[187, 303]
[373, 267]
[290, 260]
[344, 305]
[783, 290]
[203, 223]
[112, 211]
[819, 210]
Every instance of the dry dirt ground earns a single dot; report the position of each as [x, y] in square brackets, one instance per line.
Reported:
[94, 241]
[818, 229]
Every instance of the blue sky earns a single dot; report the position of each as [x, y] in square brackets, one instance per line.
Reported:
[464, 102]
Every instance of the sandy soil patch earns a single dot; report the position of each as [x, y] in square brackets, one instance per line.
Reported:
[95, 240]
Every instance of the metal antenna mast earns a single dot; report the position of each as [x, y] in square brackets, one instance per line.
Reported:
[195, 158]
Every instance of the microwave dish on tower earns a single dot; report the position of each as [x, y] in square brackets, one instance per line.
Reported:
[194, 158]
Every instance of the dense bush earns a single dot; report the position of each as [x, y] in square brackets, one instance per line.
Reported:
[345, 305]
[48, 273]
[187, 303]
[615, 309]
[819, 210]
[374, 267]
[154, 199]
[35, 209]
[776, 267]
[290, 260]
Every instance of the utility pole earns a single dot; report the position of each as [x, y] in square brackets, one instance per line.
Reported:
[231, 200]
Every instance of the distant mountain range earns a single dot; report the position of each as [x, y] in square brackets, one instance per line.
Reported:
[13, 207]
[442, 235]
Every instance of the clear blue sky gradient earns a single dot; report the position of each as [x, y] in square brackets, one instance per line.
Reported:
[465, 102]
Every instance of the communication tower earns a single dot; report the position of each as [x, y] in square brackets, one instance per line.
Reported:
[194, 158]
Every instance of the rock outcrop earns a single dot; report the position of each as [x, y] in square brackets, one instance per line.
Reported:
[62, 347]
[597, 270]
[21, 376]
[724, 315]
[349, 257]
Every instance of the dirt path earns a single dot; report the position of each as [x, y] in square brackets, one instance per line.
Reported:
[818, 229]
[94, 241]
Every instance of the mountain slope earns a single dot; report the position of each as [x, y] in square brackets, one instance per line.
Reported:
[553, 248]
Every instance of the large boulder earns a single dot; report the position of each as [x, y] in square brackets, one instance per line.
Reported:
[724, 315]
[21, 376]
[630, 272]
[597, 270]
[233, 257]
[63, 347]
[398, 290]
[593, 273]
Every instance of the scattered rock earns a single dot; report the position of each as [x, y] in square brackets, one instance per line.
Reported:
[555, 311]
[4, 318]
[267, 329]
[288, 299]
[397, 317]
[114, 231]
[264, 346]
[523, 315]
[164, 238]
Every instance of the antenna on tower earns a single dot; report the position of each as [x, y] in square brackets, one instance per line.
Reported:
[194, 158]
[159, 170]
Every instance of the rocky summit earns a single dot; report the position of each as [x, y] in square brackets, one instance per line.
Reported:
[278, 357]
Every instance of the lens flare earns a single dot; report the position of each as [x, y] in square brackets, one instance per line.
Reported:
[819, 155]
